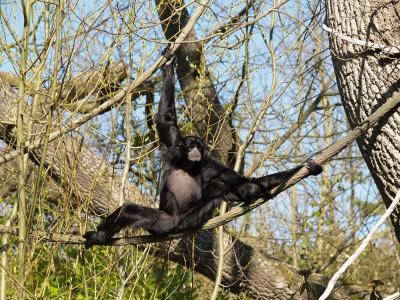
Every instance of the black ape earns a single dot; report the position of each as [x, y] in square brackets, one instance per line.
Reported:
[192, 182]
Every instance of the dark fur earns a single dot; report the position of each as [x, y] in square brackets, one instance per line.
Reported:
[190, 189]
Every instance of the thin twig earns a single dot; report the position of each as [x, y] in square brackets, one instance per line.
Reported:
[360, 249]
[238, 163]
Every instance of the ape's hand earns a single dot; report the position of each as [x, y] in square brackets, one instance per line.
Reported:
[167, 53]
[313, 167]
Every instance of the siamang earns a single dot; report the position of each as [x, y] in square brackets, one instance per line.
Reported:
[192, 182]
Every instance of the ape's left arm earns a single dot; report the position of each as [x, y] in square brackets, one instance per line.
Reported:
[228, 185]
[261, 187]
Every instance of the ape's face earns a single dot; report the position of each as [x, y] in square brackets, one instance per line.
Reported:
[192, 149]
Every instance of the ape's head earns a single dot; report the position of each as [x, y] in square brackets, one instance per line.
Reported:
[192, 149]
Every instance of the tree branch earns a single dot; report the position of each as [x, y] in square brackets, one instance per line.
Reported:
[360, 249]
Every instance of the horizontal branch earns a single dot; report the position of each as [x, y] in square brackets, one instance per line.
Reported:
[79, 86]
[78, 240]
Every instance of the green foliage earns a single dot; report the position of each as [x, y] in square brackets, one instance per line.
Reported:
[70, 272]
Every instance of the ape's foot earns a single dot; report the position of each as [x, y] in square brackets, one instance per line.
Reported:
[96, 238]
[168, 54]
[313, 167]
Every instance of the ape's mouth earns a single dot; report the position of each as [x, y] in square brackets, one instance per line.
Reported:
[194, 155]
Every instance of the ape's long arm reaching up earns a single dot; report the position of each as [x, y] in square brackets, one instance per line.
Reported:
[166, 122]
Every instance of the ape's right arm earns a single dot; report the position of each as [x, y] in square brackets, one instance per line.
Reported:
[166, 122]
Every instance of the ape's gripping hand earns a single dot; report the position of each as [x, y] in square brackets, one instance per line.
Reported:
[313, 167]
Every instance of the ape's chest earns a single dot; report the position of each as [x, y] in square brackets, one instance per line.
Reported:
[185, 187]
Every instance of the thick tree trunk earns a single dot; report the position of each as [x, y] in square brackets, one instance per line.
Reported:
[367, 78]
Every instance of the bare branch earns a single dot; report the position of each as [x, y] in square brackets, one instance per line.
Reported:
[360, 249]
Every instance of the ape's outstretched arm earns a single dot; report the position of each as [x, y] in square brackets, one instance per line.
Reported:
[231, 187]
[260, 187]
[166, 122]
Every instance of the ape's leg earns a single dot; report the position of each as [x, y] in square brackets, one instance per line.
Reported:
[155, 221]
[254, 188]
[132, 215]
[197, 216]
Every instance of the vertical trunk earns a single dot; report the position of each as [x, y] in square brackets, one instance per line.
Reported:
[367, 78]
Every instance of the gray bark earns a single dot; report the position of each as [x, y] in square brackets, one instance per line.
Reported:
[367, 78]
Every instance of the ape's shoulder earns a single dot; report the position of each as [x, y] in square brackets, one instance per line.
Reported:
[213, 169]
[209, 164]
